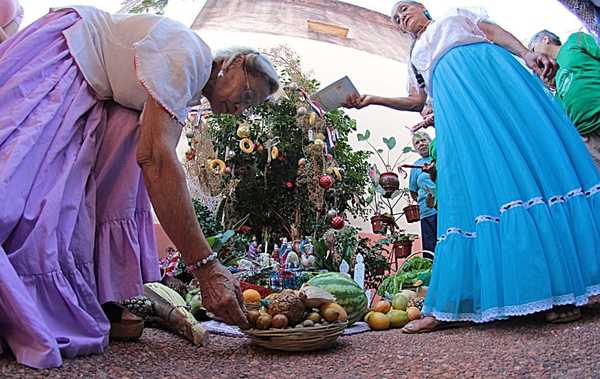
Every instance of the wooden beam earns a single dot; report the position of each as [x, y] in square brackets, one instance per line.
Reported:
[323, 27]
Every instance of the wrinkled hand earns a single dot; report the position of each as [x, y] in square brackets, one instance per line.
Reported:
[544, 66]
[427, 122]
[221, 294]
[358, 101]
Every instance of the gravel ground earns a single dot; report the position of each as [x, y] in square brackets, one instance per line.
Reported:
[523, 347]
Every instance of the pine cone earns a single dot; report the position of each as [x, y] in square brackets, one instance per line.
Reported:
[416, 302]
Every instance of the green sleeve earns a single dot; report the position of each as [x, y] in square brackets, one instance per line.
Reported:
[588, 44]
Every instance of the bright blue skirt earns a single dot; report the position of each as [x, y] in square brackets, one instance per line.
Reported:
[518, 193]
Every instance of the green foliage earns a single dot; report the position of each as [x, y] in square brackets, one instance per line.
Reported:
[148, 6]
[268, 191]
[207, 222]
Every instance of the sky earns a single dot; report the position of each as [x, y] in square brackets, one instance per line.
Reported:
[521, 17]
[370, 74]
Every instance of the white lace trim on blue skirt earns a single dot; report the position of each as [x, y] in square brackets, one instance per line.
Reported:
[500, 313]
[538, 200]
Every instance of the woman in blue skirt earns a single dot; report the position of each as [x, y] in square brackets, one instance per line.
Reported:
[518, 193]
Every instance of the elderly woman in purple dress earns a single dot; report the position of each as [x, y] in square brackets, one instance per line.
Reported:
[91, 110]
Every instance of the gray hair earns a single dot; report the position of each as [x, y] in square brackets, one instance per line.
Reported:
[554, 39]
[423, 135]
[257, 64]
[399, 3]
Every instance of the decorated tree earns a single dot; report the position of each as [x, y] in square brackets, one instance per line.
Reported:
[285, 165]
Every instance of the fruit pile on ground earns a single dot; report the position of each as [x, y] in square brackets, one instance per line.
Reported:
[309, 307]
[395, 314]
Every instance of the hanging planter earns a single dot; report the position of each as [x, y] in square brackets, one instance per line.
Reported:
[402, 249]
[412, 213]
[377, 224]
[390, 183]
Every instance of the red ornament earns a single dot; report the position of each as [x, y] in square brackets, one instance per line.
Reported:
[329, 157]
[289, 185]
[337, 222]
[326, 181]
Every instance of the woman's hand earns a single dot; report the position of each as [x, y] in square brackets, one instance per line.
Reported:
[221, 294]
[544, 66]
[358, 101]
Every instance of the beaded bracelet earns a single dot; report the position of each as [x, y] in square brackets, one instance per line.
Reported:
[203, 262]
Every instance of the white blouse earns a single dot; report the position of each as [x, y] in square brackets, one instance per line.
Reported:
[128, 57]
[456, 28]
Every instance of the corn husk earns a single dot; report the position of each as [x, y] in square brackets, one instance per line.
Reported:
[172, 309]
[315, 296]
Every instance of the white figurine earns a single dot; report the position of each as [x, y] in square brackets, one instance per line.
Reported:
[292, 260]
[359, 271]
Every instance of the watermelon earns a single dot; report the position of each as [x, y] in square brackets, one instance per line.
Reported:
[348, 294]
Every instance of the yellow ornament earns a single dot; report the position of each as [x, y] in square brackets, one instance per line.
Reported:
[319, 142]
[243, 131]
[216, 166]
[247, 146]
[274, 152]
[337, 173]
[312, 118]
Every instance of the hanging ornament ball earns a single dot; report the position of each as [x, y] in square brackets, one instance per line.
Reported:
[337, 222]
[289, 184]
[319, 142]
[331, 214]
[329, 157]
[243, 131]
[301, 111]
[301, 162]
[227, 171]
[326, 181]
[189, 134]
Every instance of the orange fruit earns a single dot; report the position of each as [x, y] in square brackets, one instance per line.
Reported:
[251, 296]
[382, 306]
[413, 313]
[379, 321]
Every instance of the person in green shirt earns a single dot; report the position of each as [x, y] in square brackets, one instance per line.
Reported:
[577, 81]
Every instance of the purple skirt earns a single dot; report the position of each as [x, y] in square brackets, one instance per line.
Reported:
[75, 222]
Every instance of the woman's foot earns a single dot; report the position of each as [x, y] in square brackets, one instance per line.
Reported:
[563, 314]
[424, 325]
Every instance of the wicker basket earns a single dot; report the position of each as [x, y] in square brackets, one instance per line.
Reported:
[298, 339]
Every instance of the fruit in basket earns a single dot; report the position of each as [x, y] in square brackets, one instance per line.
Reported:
[252, 316]
[264, 321]
[417, 302]
[314, 317]
[397, 318]
[347, 293]
[366, 319]
[382, 306]
[308, 323]
[379, 321]
[334, 312]
[400, 302]
[413, 313]
[251, 296]
[279, 322]
[289, 303]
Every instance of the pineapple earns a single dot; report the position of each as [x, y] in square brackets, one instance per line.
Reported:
[289, 303]
[416, 302]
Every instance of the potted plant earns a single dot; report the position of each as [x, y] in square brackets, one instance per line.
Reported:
[402, 243]
[411, 210]
[388, 179]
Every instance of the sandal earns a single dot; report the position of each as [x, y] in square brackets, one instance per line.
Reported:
[562, 315]
[124, 325]
[412, 327]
